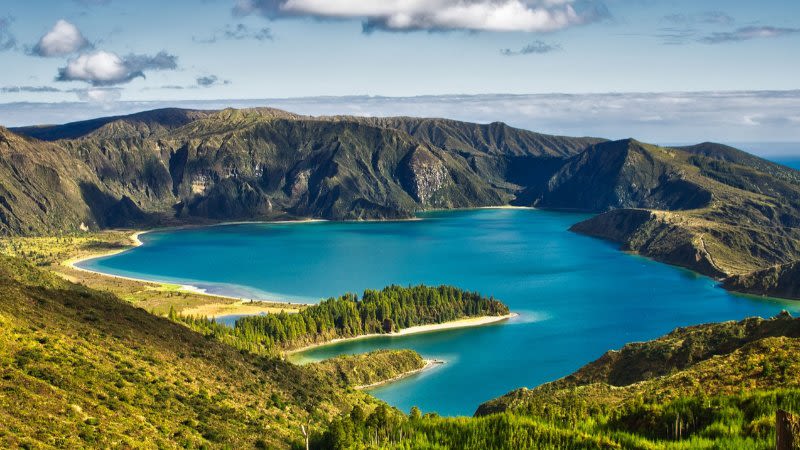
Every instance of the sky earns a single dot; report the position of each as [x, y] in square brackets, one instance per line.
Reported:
[667, 70]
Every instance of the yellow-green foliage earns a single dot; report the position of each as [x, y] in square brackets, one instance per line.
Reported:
[714, 386]
[80, 368]
[52, 250]
[370, 368]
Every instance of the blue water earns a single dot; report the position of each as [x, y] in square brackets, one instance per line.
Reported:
[577, 296]
[788, 161]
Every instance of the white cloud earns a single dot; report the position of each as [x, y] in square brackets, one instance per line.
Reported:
[747, 33]
[408, 15]
[102, 68]
[97, 67]
[63, 39]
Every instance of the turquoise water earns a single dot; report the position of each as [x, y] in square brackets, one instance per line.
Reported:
[576, 296]
[793, 161]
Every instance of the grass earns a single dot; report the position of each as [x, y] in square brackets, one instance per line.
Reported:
[82, 368]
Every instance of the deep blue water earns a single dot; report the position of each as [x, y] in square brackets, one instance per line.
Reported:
[577, 296]
[789, 161]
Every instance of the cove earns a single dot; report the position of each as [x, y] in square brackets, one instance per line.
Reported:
[577, 296]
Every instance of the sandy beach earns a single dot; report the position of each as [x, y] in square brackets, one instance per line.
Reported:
[237, 308]
[72, 263]
[211, 306]
[460, 323]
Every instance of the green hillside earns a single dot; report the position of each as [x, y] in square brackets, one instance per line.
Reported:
[714, 386]
[85, 369]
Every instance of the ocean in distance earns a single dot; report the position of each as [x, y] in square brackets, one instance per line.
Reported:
[576, 296]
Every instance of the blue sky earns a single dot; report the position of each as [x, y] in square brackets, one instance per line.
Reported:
[105, 51]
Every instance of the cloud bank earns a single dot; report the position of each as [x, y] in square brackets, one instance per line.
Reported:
[211, 80]
[748, 33]
[436, 15]
[664, 118]
[62, 40]
[102, 68]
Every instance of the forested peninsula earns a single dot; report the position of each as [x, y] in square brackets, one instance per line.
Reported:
[391, 309]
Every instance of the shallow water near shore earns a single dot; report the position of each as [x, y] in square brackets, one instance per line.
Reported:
[577, 296]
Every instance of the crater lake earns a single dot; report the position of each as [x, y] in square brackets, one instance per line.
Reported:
[576, 296]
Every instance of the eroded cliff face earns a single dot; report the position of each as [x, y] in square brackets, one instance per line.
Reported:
[620, 174]
[778, 281]
[423, 175]
[176, 166]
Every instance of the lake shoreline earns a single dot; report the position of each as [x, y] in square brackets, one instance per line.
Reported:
[429, 364]
[206, 310]
[200, 291]
[467, 322]
[225, 305]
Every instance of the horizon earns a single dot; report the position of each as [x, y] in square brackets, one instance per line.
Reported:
[556, 114]
[673, 71]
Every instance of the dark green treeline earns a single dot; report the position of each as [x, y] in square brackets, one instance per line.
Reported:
[391, 309]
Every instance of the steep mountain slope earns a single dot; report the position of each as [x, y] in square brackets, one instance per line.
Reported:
[700, 208]
[621, 174]
[778, 281]
[174, 165]
[84, 369]
[44, 187]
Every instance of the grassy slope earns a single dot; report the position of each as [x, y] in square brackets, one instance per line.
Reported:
[92, 370]
[711, 386]
[655, 368]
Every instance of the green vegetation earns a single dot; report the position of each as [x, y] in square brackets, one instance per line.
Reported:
[50, 251]
[391, 309]
[711, 208]
[84, 369]
[371, 368]
[94, 371]
[736, 422]
[711, 386]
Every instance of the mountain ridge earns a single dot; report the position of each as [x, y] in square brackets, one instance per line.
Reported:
[708, 207]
